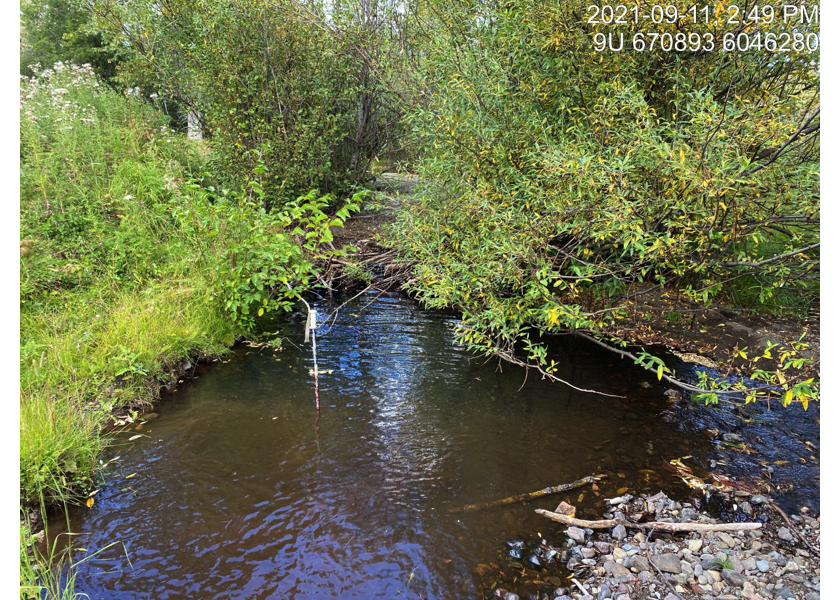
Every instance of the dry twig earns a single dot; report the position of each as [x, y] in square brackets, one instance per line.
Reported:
[531, 495]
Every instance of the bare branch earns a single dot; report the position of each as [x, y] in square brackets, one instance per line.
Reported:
[740, 263]
[805, 129]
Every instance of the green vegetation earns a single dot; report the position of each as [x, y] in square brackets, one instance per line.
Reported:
[282, 77]
[129, 267]
[556, 174]
[556, 177]
[49, 572]
[62, 31]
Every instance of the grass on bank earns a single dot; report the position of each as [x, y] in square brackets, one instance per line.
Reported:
[88, 354]
[110, 296]
[131, 262]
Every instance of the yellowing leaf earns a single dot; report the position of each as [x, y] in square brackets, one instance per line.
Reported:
[89, 503]
[130, 476]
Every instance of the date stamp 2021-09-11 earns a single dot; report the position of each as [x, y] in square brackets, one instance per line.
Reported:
[639, 27]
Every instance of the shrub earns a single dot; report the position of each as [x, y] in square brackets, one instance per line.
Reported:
[557, 174]
[302, 86]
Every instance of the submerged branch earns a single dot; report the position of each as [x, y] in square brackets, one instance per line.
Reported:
[671, 380]
[531, 495]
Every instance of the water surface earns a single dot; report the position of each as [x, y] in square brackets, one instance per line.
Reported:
[238, 489]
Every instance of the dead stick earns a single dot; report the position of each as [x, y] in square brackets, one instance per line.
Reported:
[793, 527]
[657, 525]
[580, 587]
[662, 578]
[532, 495]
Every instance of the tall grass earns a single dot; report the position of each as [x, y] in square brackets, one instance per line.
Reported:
[130, 264]
[110, 296]
[91, 353]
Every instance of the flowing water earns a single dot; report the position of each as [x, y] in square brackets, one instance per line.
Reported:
[239, 490]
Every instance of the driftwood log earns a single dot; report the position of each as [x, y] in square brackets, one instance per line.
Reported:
[532, 495]
[656, 525]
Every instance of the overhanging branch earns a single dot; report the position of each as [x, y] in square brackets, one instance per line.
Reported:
[741, 263]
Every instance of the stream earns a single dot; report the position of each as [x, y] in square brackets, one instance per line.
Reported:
[238, 489]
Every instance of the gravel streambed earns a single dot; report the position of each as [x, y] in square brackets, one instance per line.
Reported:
[625, 564]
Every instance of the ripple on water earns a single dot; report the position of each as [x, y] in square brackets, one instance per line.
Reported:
[240, 492]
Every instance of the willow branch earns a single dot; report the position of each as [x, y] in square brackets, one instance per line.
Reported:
[739, 263]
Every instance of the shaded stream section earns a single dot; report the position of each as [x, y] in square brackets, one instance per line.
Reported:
[238, 491]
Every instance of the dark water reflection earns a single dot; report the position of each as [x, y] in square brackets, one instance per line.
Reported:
[236, 491]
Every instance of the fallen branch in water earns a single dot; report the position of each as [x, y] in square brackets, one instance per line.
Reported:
[657, 525]
[671, 380]
[532, 495]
